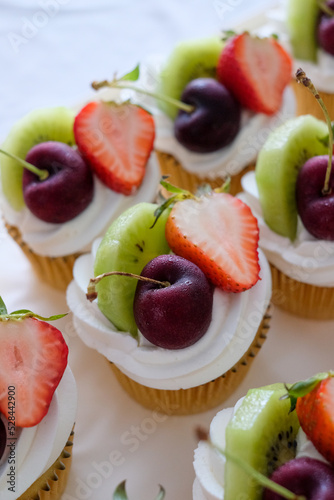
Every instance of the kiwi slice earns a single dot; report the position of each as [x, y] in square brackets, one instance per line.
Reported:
[277, 167]
[302, 20]
[40, 125]
[189, 60]
[128, 245]
[262, 433]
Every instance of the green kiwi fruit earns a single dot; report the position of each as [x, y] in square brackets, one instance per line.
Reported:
[262, 433]
[40, 125]
[189, 60]
[302, 19]
[128, 245]
[284, 153]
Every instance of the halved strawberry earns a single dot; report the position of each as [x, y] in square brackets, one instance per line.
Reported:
[117, 140]
[315, 412]
[256, 70]
[33, 357]
[219, 233]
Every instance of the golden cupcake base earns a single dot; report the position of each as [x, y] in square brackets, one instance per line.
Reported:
[186, 180]
[51, 484]
[306, 103]
[301, 299]
[200, 398]
[55, 271]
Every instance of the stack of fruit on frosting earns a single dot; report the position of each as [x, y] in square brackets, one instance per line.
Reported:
[292, 196]
[65, 177]
[276, 432]
[37, 407]
[182, 342]
[235, 91]
[311, 44]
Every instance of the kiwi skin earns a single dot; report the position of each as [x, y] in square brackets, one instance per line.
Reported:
[302, 20]
[262, 433]
[190, 59]
[40, 125]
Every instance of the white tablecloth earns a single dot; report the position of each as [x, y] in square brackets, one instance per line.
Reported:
[50, 51]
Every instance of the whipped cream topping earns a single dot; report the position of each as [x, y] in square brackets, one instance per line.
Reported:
[209, 464]
[33, 450]
[76, 235]
[254, 130]
[235, 320]
[321, 72]
[306, 259]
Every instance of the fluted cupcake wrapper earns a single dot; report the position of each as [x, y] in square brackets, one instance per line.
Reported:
[51, 484]
[186, 180]
[301, 299]
[56, 271]
[200, 398]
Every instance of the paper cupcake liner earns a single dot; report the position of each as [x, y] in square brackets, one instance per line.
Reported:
[56, 271]
[301, 299]
[200, 398]
[306, 103]
[186, 180]
[51, 484]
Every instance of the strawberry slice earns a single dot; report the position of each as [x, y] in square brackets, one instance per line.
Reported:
[315, 412]
[256, 70]
[219, 233]
[33, 358]
[117, 140]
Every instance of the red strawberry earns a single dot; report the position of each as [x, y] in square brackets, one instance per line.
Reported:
[256, 70]
[117, 140]
[315, 411]
[33, 358]
[219, 233]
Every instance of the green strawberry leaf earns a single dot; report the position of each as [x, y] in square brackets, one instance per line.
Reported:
[26, 313]
[171, 188]
[3, 308]
[132, 76]
[303, 387]
[120, 493]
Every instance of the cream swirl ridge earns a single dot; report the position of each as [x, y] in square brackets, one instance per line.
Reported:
[76, 235]
[306, 259]
[235, 321]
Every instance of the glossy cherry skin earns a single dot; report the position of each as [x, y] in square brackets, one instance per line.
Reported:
[215, 121]
[175, 316]
[68, 189]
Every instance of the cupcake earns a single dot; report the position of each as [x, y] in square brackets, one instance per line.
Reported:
[310, 46]
[37, 409]
[236, 103]
[90, 179]
[261, 431]
[301, 256]
[175, 353]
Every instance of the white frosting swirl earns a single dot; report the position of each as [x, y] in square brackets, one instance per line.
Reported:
[254, 131]
[209, 464]
[37, 448]
[76, 235]
[306, 259]
[236, 318]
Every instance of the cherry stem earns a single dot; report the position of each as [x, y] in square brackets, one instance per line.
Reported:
[258, 476]
[91, 289]
[120, 85]
[325, 8]
[302, 78]
[42, 174]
